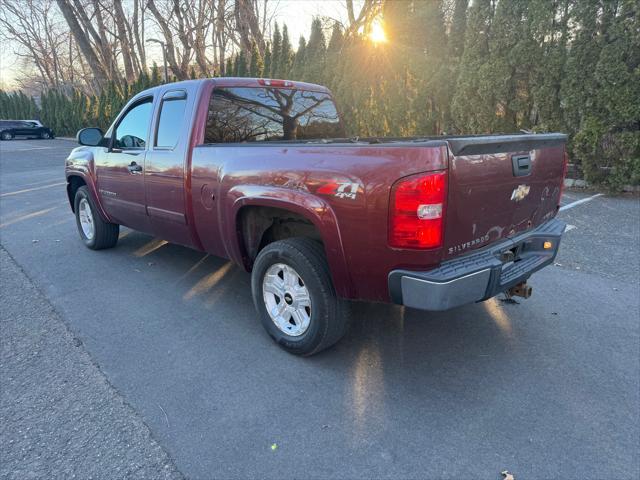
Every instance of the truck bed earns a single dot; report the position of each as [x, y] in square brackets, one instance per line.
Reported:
[459, 144]
[480, 209]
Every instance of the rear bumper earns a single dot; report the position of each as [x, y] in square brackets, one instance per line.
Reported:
[479, 275]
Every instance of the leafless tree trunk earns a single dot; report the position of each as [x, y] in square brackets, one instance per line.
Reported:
[107, 37]
[369, 9]
[100, 74]
[220, 35]
[138, 32]
[168, 39]
[199, 20]
[183, 36]
[123, 36]
[248, 25]
[34, 29]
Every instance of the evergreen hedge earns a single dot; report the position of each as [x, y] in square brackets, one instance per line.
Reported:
[566, 65]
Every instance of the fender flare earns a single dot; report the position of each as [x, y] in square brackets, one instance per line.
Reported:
[80, 164]
[309, 206]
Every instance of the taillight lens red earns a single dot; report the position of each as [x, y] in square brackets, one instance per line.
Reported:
[417, 211]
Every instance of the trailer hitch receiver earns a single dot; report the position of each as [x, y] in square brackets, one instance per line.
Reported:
[520, 290]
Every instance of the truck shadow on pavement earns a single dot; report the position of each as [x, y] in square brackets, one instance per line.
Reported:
[381, 332]
[402, 384]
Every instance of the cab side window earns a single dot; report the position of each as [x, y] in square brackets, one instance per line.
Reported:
[171, 119]
[133, 128]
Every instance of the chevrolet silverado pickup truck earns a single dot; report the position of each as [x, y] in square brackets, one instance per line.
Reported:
[260, 172]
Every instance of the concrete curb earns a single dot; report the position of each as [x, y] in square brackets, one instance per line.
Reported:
[579, 183]
[575, 182]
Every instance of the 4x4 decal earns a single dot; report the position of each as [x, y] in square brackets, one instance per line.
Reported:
[340, 189]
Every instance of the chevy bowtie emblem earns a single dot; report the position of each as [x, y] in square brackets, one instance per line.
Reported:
[520, 192]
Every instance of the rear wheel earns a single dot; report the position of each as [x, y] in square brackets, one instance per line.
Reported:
[295, 297]
[6, 135]
[94, 231]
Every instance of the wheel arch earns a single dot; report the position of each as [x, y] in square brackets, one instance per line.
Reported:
[75, 180]
[302, 215]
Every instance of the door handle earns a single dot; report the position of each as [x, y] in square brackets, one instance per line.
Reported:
[133, 167]
[521, 165]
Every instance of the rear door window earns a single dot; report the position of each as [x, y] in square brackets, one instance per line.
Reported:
[260, 114]
[171, 119]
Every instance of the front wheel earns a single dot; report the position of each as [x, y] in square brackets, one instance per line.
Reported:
[45, 135]
[295, 298]
[94, 231]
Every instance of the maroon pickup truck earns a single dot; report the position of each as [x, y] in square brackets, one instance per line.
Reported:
[260, 172]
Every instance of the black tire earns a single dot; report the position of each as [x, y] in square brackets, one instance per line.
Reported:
[329, 317]
[45, 135]
[105, 234]
[6, 136]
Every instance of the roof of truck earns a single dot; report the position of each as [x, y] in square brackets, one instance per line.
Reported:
[266, 82]
[242, 82]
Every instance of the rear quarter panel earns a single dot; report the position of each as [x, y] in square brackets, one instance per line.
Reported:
[353, 227]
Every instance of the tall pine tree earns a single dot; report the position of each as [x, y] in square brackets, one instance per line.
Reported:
[315, 53]
[297, 70]
[276, 48]
[333, 52]
[256, 67]
[267, 61]
[473, 105]
[285, 57]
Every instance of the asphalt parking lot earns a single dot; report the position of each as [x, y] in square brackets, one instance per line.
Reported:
[545, 388]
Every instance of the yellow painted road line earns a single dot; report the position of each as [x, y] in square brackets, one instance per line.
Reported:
[27, 216]
[28, 149]
[18, 192]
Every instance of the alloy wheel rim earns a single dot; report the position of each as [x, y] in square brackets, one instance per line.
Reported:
[287, 299]
[86, 218]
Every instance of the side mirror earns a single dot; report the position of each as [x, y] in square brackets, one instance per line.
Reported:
[90, 137]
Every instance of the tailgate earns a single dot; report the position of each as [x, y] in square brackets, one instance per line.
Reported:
[500, 186]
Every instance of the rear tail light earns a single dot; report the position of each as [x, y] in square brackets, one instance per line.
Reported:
[417, 210]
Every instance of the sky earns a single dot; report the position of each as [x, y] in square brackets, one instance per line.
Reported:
[297, 14]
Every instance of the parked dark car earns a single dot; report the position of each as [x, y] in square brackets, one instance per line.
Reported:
[21, 128]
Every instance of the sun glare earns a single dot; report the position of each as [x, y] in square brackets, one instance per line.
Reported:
[376, 34]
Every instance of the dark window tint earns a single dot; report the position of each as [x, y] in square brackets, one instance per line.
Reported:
[132, 130]
[263, 114]
[171, 118]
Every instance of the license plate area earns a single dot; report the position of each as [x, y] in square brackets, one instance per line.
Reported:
[523, 258]
[511, 256]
